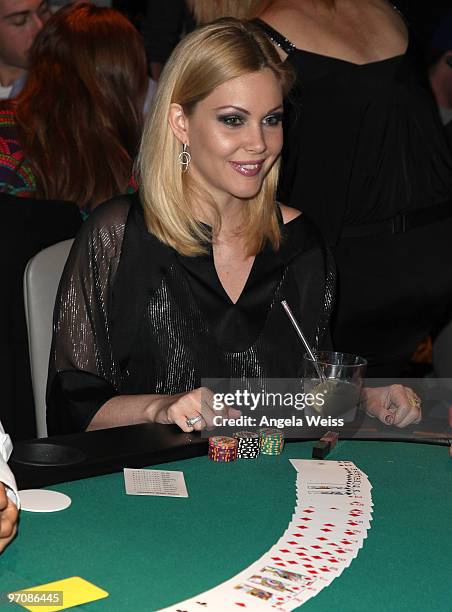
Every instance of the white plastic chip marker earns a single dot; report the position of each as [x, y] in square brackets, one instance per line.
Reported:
[42, 500]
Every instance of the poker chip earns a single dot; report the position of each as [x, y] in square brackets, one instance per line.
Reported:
[271, 441]
[248, 444]
[222, 448]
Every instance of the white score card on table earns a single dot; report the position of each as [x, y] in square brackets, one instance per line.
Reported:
[155, 482]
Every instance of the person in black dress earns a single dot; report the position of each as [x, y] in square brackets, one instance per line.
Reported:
[366, 159]
[185, 281]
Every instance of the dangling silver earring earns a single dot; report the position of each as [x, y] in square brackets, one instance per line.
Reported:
[184, 158]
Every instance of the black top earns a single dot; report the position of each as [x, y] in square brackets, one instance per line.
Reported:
[134, 316]
[361, 142]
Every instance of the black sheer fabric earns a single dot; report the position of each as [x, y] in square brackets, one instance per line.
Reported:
[133, 316]
[363, 143]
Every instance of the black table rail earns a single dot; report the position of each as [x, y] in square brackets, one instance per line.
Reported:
[46, 461]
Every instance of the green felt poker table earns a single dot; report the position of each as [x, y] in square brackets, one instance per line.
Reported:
[150, 552]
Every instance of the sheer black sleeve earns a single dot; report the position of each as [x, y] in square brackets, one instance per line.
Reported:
[83, 373]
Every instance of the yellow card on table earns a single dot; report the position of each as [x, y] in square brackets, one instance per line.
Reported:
[59, 595]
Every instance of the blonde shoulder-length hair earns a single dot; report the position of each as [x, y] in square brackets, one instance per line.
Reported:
[206, 58]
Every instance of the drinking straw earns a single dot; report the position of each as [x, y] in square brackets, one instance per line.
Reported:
[302, 337]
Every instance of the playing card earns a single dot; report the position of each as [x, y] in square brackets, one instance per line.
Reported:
[328, 527]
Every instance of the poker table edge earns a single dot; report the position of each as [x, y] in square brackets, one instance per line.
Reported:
[110, 450]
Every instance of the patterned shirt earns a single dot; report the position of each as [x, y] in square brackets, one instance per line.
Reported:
[16, 176]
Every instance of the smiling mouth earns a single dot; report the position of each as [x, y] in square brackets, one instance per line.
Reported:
[247, 168]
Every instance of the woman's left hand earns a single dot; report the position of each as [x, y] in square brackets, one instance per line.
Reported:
[393, 405]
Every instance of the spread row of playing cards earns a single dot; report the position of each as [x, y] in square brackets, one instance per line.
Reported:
[327, 530]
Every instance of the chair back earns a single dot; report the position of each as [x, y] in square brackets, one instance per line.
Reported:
[41, 279]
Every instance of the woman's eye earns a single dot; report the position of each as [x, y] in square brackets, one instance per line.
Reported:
[231, 120]
[275, 119]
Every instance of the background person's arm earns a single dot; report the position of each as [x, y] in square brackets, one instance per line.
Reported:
[9, 514]
[9, 497]
[6, 476]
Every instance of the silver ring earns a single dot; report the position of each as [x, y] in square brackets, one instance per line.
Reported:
[193, 420]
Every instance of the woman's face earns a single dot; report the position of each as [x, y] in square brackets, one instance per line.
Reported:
[235, 136]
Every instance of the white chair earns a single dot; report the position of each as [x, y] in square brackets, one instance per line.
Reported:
[41, 278]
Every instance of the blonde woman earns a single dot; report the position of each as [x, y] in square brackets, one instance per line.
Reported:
[185, 281]
[365, 158]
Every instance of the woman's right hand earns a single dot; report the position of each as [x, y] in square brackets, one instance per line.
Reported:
[192, 404]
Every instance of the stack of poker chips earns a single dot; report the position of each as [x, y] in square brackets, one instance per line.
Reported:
[222, 448]
[248, 444]
[271, 441]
